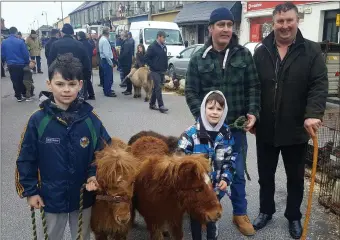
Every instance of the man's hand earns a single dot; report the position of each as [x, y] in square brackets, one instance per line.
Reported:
[251, 122]
[35, 201]
[223, 185]
[92, 184]
[312, 125]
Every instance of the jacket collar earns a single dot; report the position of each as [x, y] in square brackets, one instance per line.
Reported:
[270, 39]
[202, 133]
[208, 45]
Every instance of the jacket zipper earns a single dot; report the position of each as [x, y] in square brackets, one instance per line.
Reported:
[276, 72]
[223, 71]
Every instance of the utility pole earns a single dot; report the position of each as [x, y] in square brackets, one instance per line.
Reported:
[62, 13]
[45, 16]
[150, 10]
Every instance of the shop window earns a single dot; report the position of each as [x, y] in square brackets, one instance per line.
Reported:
[330, 30]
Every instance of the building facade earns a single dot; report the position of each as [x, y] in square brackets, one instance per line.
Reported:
[193, 19]
[317, 20]
[120, 14]
[60, 23]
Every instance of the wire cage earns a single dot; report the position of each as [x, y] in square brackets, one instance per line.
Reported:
[328, 161]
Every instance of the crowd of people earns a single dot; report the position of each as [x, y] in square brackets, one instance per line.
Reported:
[224, 82]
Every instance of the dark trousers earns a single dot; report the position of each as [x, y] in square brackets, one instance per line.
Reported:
[16, 73]
[157, 78]
[107, 76]
[125, 72]
[2, 69]
[294, 162]
[196, 229]
[89, 87]
[38, 60]
[101, 75]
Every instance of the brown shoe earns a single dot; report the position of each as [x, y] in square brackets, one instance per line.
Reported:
[244, 225]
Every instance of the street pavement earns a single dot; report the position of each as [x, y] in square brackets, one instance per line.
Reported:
[124, 116]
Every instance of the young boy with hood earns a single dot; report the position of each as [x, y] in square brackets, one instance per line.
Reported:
[57, 151]
[210, 135]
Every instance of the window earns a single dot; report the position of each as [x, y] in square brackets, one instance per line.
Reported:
[187, 53]
[173, 36]
[162, 5]
[330, 30]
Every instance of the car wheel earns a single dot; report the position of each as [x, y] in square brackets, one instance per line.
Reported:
[172, 71]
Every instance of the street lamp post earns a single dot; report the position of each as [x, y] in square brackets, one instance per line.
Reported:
[45, 16]
[62, 13]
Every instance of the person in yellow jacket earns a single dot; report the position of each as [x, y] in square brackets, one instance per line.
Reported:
[34, 47]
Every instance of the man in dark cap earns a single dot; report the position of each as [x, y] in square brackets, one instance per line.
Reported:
[55, 35]
[67, 44]
[157, 59]
[222, 64]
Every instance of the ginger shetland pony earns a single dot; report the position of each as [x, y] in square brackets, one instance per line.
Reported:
[169, 186]
[116, 172]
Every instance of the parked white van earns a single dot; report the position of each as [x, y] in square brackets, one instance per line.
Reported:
[145, 32]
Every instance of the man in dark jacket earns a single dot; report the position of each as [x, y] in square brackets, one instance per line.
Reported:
[89, 49]
[55, 34]
[14, 51]
[222, 64]
[125, 61]
[294, 88]
[69, 45]
[157, 59]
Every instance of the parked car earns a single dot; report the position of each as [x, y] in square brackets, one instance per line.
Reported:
[252, 46]
[178, 65]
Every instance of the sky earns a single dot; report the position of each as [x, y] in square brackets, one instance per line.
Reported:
[22, 14]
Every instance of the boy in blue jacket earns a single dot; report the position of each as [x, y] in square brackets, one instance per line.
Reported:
[57, 151]
[211, 136]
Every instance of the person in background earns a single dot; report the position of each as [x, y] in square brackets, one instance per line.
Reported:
[20, 36]
[125, 61]
[132, 43]
[106, 61]
[89, 92]
[28, 80]
[101, 71]
[157, 59]
[67, 44]
[140, 56]
[14, 52]
[3, 74]
[186, 43]
[294, 89]
[55, 35]
[34, 47]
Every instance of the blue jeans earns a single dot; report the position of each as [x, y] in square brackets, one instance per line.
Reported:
[238, 186]
[108, 76]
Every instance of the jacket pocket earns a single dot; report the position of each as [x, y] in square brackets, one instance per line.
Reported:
[236, 71]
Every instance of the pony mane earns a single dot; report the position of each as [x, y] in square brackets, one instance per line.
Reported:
[113, 162]
[168, 168]
[148, 146]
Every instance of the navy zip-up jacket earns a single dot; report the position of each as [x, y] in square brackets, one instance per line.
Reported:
[156, 57]
[14, 51]
[57, 155]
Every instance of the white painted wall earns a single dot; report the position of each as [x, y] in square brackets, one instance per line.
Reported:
[311, 26]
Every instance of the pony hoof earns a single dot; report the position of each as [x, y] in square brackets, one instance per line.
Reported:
[146, 100]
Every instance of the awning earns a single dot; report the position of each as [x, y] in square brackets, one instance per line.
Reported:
[199, 13]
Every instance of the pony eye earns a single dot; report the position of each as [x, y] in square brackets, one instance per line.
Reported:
[198, 189]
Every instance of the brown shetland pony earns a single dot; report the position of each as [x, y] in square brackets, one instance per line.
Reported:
[116, 172]
[171, 141]
[169, 186]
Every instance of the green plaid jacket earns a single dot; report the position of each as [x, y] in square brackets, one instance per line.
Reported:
[239, 84]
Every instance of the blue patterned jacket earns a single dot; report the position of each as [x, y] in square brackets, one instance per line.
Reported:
[196, 140]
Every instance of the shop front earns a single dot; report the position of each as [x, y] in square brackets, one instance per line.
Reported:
[165, 16]
[316, 20]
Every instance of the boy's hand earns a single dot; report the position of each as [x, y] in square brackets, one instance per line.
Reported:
[92, 184]
[223, 185]
[35, 201]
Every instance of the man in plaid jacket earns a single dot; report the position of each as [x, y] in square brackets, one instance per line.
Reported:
[224, 65]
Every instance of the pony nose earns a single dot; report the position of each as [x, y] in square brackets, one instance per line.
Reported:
[124, 220]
